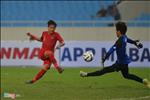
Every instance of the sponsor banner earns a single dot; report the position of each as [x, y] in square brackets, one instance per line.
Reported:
[15, 53]
[71, 54]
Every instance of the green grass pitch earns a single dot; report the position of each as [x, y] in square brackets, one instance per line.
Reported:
[70, 86]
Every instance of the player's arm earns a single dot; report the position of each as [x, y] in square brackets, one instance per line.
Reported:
[111, 50]
[61, 42]
[33, 37]
[118, 44]
[135, 42]
[60, 45]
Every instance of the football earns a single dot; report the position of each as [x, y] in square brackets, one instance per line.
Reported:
[88, 56]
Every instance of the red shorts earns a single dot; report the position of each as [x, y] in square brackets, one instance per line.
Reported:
[42, 57]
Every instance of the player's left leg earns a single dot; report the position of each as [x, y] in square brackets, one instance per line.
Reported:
[103, 71]
[52, 58]
[127, 75]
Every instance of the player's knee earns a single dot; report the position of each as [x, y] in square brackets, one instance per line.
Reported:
[46, 67]
[48, 54]
[126, 76]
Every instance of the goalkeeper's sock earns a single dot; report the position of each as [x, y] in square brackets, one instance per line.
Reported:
[39, 75]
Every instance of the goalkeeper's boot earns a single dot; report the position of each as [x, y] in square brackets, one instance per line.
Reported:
[83, 74]
[29, 82]
[146, 83]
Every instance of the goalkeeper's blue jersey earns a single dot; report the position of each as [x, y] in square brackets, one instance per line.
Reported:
[120, 47]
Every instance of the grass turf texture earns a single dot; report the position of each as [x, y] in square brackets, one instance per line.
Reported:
[70, 86]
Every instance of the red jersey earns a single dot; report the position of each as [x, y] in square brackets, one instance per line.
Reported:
[50, 40]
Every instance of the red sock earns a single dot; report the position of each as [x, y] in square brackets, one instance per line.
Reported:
[56, 65]
[39, 75]
[54, 61]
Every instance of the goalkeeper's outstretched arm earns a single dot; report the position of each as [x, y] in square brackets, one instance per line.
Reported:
[135, 42]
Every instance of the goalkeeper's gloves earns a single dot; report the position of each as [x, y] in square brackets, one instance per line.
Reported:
[138, 44]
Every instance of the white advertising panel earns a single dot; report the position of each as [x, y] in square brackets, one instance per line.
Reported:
[17, 53]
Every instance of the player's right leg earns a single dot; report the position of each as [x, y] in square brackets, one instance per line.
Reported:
[103, 71]
[39, 74]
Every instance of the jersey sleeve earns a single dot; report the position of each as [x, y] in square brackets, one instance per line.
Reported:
[110, 51]
[131, 41]
[59, 38]
[42, 36]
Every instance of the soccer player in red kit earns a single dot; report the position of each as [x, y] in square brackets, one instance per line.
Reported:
[49, 39]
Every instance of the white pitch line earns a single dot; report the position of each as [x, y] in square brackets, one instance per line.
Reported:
[145, 97]
[136, 98]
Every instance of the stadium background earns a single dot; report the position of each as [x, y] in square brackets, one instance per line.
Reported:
[81, 29]
[76, 22]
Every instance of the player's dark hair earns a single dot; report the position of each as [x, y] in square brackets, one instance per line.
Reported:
[122, 27]
[51, 22]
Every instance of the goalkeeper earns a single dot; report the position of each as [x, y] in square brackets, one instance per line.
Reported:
[122, 59]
